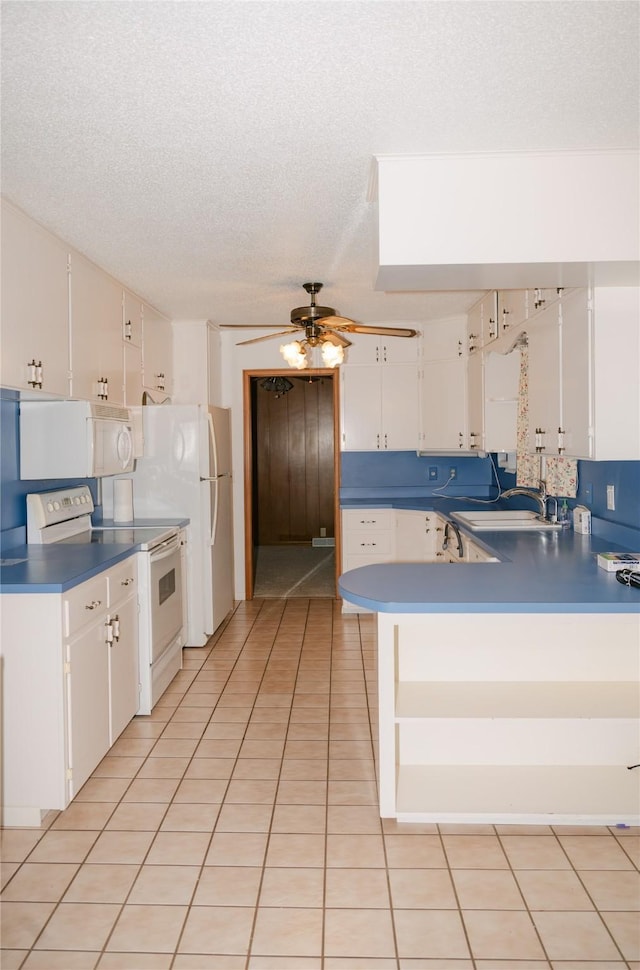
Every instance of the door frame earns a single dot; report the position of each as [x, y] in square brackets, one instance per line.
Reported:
[248, 433]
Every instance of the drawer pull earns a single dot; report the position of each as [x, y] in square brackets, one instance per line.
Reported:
[367, 543]
[93, 605]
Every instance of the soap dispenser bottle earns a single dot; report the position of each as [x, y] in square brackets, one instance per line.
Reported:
[563, 514]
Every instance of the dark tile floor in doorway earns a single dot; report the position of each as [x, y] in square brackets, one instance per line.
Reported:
[295, 571]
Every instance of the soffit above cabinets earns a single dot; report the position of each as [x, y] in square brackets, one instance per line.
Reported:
[508, 220]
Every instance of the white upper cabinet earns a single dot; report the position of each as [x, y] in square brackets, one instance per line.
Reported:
[512, 309]
[379, 408]
[545, 401]
[443, 387]
[600, 363]
[379, 394]
[372, 349]
[97, 355]
[157, 354]
[482, 322]
[35, 307]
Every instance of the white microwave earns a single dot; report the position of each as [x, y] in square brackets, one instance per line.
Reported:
[74, 439]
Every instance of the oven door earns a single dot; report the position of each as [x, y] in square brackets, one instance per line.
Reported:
[165, 567]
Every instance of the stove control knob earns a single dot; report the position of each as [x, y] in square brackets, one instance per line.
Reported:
[49, 506]
[77, 500]
[56, 506]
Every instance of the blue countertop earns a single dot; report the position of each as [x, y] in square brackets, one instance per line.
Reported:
[538, 572]
[58, 566]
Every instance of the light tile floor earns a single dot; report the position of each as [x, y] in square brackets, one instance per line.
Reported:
[236, 828]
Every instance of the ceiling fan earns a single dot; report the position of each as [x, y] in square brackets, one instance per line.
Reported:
[323, 327]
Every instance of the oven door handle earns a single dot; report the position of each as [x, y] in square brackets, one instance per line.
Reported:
[165, 550]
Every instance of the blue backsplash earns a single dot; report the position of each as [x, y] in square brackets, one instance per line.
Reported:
[13, 506]
[404, 473]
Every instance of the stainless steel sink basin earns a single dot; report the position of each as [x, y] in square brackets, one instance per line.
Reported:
[501, 520]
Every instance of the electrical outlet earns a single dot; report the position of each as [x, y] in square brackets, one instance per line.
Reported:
[588, 493]
[611, 497]
[453, 472]
[433, 473]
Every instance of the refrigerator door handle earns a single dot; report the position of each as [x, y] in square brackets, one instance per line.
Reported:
[213, 450]
[214, 521]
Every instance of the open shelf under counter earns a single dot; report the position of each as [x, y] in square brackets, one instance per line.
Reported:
[516, 794]
[522, 718]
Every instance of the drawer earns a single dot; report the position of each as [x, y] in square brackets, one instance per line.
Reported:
[368, 543]
[368, 520]
[354, 562]
[123, 580]
[82, 604]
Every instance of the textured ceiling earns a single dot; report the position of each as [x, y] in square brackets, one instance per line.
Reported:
[214, 156]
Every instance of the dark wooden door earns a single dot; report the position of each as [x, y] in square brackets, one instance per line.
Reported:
[294, 452]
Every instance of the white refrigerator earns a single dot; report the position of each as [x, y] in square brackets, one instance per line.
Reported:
[186, 471]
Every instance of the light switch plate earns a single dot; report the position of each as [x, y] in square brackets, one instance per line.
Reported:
[611, 497]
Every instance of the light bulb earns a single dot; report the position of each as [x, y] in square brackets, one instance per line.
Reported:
[294, 354]
[332, 354]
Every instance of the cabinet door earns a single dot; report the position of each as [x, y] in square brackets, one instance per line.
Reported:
[577, 386]
[97, 354]
[157, 352]
[369, 350]
[415, 536]
[475, 397]
[132, 375]
[475, 334]
[87, 703]
[444, 339]
[35, 306]
[443, 406]
[512, 308]
[124, 676]
[400, 427]
[544, 382]
[361, 393]
[132, 319]
[489, 306]
[501, 384]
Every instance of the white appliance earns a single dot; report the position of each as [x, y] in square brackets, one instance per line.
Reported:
[186, 471]
[74, 439]
[64, 516]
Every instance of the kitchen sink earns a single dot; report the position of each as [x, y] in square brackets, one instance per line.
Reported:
[503, 520]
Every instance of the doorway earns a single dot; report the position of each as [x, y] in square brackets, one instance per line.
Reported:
[292, 474]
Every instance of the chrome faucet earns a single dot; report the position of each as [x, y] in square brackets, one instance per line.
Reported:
[456, 530]
[539, 495]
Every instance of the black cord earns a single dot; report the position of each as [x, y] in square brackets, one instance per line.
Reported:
[628, 578]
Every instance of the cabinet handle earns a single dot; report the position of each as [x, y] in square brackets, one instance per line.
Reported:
[561, 445]
[385, 441]
[35, 373]
[368, 544]
[93, 605]
[493, 330]
[126, 582]
[127, 330]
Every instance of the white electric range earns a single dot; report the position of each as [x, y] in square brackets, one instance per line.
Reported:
[64, 516]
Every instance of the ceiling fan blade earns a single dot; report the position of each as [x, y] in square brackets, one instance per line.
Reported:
[333, 337]
[381, 331]
[269, 336]
[249, 326]
[334, 321]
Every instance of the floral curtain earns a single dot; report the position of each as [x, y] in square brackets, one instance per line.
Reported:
[560, 474]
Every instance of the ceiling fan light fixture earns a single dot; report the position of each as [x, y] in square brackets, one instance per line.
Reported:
[295, 354]
[332, 354]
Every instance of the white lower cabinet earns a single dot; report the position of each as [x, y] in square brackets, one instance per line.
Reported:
[508, 718]
[70, 687]
[418, 536]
